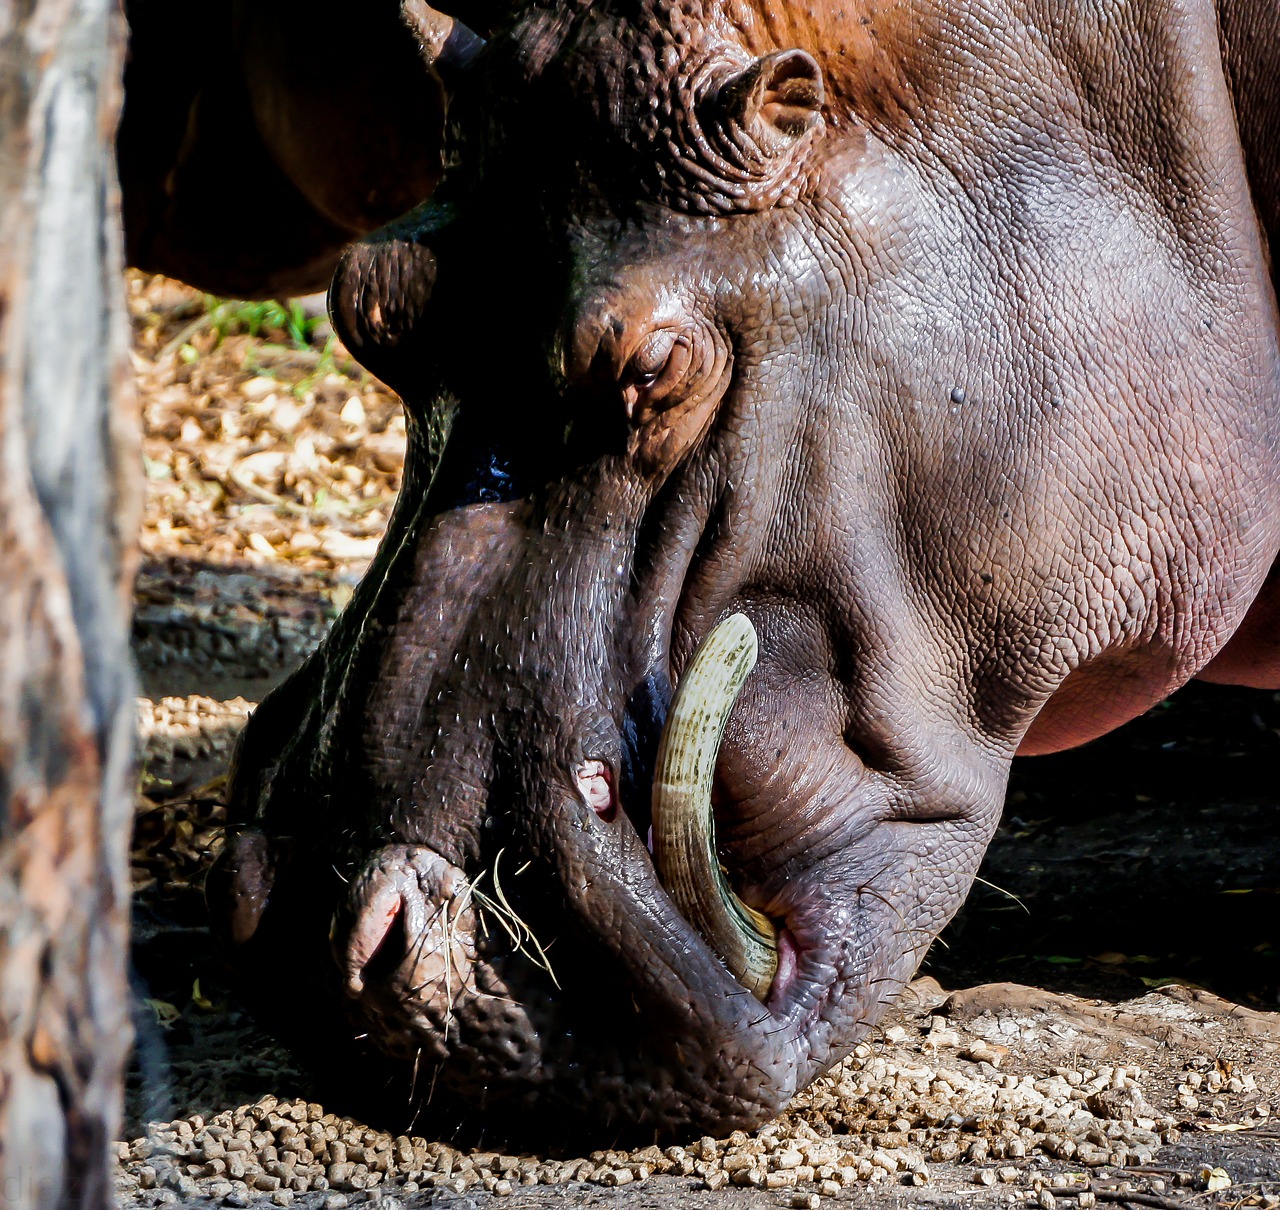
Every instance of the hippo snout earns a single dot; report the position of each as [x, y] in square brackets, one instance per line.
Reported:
[407, 940]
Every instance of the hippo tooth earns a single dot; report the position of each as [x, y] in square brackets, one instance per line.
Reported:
[596, 787]
[684, 840]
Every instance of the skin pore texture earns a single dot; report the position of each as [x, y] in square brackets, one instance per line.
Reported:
[937, 339]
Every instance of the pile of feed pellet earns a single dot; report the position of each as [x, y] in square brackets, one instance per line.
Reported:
[879, 1115]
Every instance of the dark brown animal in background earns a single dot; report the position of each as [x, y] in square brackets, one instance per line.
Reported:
[258, 139]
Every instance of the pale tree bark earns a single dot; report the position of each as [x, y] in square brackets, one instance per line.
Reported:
[68, 512]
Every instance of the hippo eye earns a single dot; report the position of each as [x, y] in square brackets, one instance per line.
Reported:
[657, 370]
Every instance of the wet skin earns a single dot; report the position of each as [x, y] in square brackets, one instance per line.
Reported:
[936, 338]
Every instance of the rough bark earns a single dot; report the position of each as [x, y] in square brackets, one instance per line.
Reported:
[67, 519]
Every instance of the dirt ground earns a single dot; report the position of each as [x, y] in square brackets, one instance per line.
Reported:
[1115, 1036]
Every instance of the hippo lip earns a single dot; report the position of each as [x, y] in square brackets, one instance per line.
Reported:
[669, 936]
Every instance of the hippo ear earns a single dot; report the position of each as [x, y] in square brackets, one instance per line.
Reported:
[776, 99]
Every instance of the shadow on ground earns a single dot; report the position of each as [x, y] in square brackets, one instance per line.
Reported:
[1148, 856]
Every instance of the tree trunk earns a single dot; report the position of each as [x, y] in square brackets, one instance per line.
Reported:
[68, 512]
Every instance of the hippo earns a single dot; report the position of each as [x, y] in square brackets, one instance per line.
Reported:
[811, 406]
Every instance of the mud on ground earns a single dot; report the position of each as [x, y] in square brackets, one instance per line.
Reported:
[1077, 1064]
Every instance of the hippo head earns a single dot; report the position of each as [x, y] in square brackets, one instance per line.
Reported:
[892, 345]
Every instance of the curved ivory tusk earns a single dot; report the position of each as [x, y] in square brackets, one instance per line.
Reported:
[684, 838]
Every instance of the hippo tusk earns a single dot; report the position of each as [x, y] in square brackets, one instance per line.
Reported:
[684, 838]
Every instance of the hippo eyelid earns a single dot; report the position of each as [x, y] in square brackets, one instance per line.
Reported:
[663, 351]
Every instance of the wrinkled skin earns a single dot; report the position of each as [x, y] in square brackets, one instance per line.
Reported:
[952, 365]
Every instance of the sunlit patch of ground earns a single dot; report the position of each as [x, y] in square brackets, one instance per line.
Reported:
[264, 443]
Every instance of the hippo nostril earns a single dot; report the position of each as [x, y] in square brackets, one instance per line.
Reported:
[238, 886]
[388, 953]
[595, 784]
[404, 939]
[371, 937]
